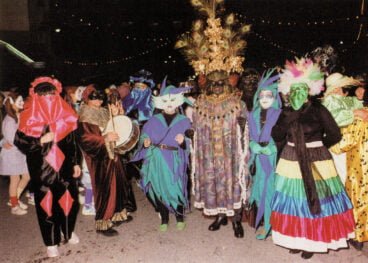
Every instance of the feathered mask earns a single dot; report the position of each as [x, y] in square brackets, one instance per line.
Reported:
[211, 46]
[302, 71]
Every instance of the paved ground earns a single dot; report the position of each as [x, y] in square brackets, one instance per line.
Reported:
[140, 241]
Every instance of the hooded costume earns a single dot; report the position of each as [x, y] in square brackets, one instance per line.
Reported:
[139, 98]
[263, 150]
[310, 208]
[165, 162]
[51, 165]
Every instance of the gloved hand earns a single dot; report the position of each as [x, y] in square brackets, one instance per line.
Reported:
[241, 121]
[255, 147]
[189, 133]
[266, 150]
[269, 149]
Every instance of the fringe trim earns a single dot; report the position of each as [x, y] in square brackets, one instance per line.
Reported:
[103, 224]
[218, 210]
[193, 147]
[120, 216]
[243, 152]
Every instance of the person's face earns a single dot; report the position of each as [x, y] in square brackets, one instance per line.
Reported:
[218, 87]
[140, 85]
[339, 91]
[250, 80]
[359, 93]
[95, 103]
[18, 103]
[266, 99]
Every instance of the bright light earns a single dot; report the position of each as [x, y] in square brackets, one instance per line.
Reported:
[57, 30]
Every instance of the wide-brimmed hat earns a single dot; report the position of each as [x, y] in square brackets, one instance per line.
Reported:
[337, 80]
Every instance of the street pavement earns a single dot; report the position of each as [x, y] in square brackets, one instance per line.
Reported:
[141, 241]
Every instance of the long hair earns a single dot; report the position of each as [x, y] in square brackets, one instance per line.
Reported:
[68, 91]
[9, 110]
[2, 97]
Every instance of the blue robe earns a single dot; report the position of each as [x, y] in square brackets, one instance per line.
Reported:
[164, 172]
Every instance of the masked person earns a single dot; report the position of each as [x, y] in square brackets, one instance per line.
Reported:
[219, 154]
[109, 182]
[46, 136]
[266, 111]
[138, 104]
[311, 211]
[165, 153]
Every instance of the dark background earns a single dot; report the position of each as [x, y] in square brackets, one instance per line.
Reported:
[85, 41]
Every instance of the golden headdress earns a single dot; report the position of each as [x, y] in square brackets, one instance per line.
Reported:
[212, 46]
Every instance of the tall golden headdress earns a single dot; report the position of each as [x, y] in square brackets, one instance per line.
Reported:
[212, 46]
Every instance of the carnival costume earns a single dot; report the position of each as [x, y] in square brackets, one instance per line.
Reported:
[109, 182]
[51, 164]
[139, 98]
[310, 208]
[220, 143]
[354, 144]
[165, 160]
[263, 149]
[342, 109]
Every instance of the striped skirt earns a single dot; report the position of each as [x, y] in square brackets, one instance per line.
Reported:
[293, 225]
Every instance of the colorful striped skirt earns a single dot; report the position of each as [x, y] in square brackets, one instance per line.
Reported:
[293, 225]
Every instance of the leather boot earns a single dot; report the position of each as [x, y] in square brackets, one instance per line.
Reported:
[220, 220]
[356, 244]
[307, 255]
[238, 229]
[108, 233]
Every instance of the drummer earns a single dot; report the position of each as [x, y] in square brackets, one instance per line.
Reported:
[109, 182]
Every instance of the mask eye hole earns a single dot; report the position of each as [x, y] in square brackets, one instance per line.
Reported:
[164, 101]
[173, 99]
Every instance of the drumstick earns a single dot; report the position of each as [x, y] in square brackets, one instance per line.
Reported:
[113, 123]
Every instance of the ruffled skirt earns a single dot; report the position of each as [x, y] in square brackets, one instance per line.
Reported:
[293, 225]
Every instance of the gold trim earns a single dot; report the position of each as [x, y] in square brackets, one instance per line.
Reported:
[120, 216]
[103, 224]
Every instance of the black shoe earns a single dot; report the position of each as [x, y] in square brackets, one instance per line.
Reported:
[220, 220]
[294, 251]
[238, 230]
[118, 223]
[307, 255]
[356, 244]
[108, 233]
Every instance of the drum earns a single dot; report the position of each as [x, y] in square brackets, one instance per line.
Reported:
[127, 130]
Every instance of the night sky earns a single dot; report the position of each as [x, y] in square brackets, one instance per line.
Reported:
[106, 41]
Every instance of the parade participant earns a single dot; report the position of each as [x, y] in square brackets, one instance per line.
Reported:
[13, 162]
[109, 180]
[266, 111]
[165, 152]
[219, 118]
[138, 104]
[353, 143]
[46, 136]
[248, 86]
[344, 109]
[311, 211]
[73, 96]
